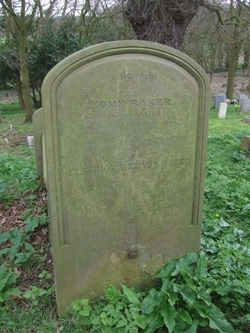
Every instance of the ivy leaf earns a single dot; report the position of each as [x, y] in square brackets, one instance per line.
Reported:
[168, 313]
[224, 224]
[167, 271]
[218, 321]
[201, 270]
[223, 290]
[3, 283]
[185, 316]
[193, 328]
[188, 294]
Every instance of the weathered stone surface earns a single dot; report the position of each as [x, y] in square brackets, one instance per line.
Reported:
[220, 98]
[30, 141]
[246, 105]
[125, 136]
[245, 143]
[241, 100]
[222, 111]
[38, 127]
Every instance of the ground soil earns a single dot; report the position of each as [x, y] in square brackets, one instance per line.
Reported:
[219, 81]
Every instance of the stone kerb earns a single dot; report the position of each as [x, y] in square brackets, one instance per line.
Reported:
[125, 136]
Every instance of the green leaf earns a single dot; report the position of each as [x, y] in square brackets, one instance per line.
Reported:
[3, 271]
[184, 265]
[5, 236]
[112, 294]
[85, 311]
[185, 316]
[223, 290]
[28, 294]
[188, 294]
[201, 269]
[4, 251]
[168, 314]
[3, 283]
[203, 294]
[218, 321]
[193, 328]
[29, 248]
[140, 320]
[31, 224]
[247, 317]
[22, 257]
[152, 301]
[11, 292]
[166, 272]
[76, 305]
[224, 224]
[131, 296]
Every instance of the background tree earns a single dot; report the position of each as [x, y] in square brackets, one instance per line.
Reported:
[234, 17]
[204, 41]
[22, 15]
[162, 21]
[10, 67]
[56, 42]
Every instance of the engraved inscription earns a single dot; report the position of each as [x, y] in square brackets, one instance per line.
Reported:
[131, 166]
[146, 77]
[152, 103]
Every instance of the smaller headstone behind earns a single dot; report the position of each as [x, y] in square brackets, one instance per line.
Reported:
[38, 126]
[30, 141]
[222, 111]
[241, 100]
[220, 98]
[245, 143]
[246, 105]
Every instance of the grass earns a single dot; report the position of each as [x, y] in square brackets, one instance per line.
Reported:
[232, 124]
[31, 307]
[14, 131]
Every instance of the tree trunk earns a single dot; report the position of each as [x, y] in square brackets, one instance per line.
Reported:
[248, 87]
[233, 55]
[161, 21]
[25, 78]
[19, 90]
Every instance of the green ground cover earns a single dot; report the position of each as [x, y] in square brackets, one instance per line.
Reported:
[205, 292]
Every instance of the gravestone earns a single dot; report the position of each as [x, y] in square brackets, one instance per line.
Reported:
[222, 111]
[220, 98]
[38, 128]
[246, 105]
[125, 137]
[245, 143]
[241, 100]
[30, 141]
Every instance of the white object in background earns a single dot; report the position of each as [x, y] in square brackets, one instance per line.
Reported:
[30, 141]
[223, 110]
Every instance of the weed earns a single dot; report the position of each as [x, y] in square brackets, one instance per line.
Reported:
[17, 176]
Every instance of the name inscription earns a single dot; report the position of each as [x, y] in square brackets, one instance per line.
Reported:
[151, 103]
[131, 166]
